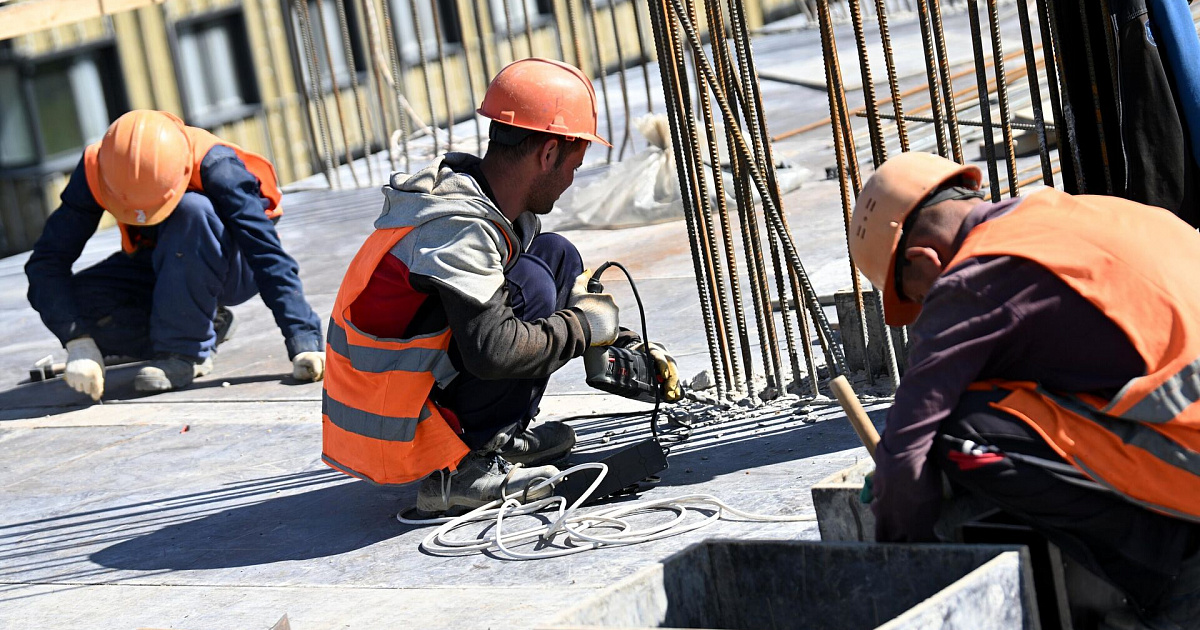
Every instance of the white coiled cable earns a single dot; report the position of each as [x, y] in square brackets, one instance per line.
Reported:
[572, 531]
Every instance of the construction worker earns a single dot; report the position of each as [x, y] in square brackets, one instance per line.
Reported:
[457, 309]
[1052, 371]
[196, 216]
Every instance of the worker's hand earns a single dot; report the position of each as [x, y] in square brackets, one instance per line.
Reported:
[667, 370]
[602, 316]
[85, 367]
[867, 495]
[309, 366]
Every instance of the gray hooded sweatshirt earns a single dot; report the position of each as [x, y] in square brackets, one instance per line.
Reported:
[459, 249]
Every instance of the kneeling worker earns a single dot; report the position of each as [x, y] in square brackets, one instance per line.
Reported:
[196, 216]
[457, 309]
[1056, 342]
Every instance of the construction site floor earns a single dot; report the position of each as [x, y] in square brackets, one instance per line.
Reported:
[210, 508]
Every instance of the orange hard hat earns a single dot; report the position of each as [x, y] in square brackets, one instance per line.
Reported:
[894, 191]
[544, 95]
[144, 164]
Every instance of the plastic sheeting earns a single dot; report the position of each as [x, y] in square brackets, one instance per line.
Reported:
[644, 189]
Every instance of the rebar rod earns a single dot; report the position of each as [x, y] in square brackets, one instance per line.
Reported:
[318, 103]
[424, 60]
[931, 72]
[1035, 92]
[443, 71]
[1090, 62]
[939, 40]
[598, 53]
[359, 111]
[843, 143]
[732, 373]
[1010, 154]
[645, 59]
[878, 151]
[471, 80]
[337, 93]
[669, 55]
[889, 62]
[627, 136]
[970, 123]
[398, 83]
[985, 106]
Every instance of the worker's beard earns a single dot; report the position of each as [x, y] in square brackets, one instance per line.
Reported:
[545, 191]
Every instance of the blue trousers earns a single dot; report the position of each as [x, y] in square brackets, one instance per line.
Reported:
[163, 299]
[491, 411]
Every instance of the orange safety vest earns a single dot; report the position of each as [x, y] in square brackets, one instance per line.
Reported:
[202, 142]
[377, 420]
[1138, 265]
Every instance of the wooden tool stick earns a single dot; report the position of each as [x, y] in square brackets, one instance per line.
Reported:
[856, 414]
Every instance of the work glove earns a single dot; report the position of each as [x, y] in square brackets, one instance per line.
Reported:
[309, 366]
[580, 287]
[668, 372]
[601, 313]
[85, 367]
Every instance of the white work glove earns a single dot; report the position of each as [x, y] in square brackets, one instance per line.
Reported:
[580, 287]
[309, 366]
[601, 313]
[85, 367]
[667, 370]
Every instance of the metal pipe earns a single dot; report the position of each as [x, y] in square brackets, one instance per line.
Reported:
[1010, 155]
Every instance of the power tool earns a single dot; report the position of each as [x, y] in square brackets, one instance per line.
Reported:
[627, 373]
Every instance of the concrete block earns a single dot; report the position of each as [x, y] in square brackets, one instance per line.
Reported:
[841, 514]
[847, 315]
[804, 584]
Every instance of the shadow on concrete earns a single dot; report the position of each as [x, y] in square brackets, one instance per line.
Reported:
[738, 444]
[314, 524]
[54, 397]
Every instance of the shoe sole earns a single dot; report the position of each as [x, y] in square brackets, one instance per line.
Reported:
[457, 508]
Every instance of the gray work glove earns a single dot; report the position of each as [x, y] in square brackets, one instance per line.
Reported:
[601, 313]
[309, 366]
[85, 367]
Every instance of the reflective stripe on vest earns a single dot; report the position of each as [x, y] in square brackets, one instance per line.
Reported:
[1136, 264]
[378, 423]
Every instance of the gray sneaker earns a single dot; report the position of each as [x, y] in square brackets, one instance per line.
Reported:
[171, 371]
[542, 444]
[480, 479]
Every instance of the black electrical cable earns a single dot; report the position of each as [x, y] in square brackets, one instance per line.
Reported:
[594, 286]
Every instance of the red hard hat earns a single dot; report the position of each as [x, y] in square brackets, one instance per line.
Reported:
[144, 164]
[544, 95]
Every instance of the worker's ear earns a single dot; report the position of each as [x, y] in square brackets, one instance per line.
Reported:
[548, 154]
[926, 257]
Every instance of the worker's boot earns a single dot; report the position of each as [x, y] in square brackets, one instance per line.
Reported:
[542, 444]
[170, 371]
[224, 324]
[480, 479]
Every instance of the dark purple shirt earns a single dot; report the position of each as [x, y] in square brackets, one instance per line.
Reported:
[988, 317]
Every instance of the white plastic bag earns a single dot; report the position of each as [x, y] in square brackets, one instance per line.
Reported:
[644, 189]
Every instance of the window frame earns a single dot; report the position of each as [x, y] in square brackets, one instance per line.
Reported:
[358, 49]
[248, 84]
[116, 97]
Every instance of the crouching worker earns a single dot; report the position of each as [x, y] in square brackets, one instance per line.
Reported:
[1053, 372]
[196, 216]
[457, 309]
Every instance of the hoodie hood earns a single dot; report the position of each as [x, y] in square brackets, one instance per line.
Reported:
[440, 190]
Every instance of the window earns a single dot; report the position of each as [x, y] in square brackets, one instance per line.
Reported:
[516, 14]
[326, 10]
[406, 37]
[51, 108]
[216, 70]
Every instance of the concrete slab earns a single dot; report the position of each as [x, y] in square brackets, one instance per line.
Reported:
[115, 516]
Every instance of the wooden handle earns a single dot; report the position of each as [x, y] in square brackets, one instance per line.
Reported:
[855, 413]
